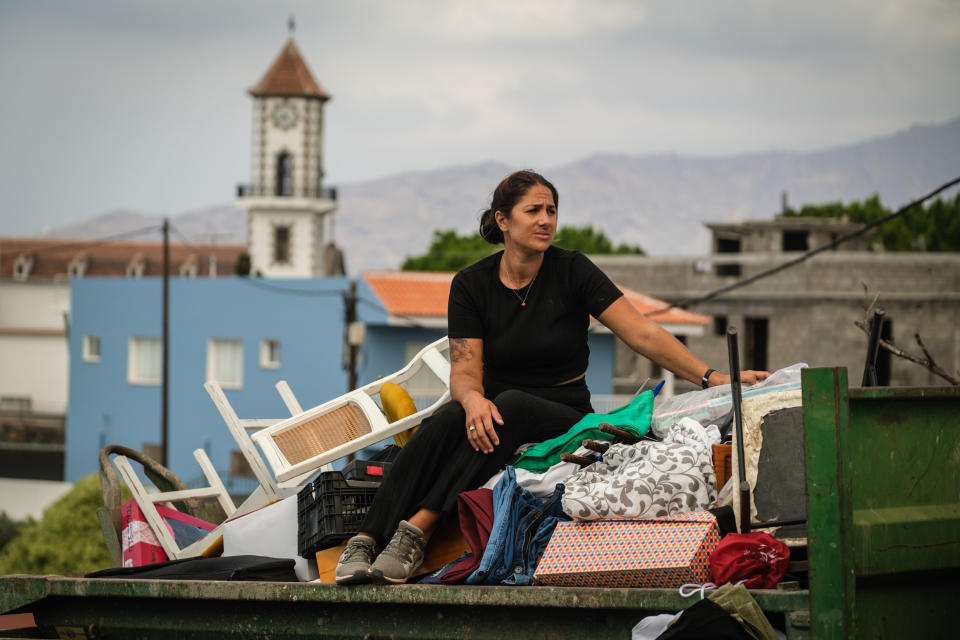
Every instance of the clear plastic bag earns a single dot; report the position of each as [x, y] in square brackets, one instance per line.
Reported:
[709, 405]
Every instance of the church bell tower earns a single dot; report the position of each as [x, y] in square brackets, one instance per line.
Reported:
[286, 201]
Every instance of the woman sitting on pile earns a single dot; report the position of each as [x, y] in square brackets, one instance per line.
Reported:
[517, 322]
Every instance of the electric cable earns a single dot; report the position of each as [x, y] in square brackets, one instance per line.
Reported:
[806, 256]
[257, 282]
[75, 244]
[182, 237]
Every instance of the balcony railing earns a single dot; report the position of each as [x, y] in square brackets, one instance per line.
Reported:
[255, 191]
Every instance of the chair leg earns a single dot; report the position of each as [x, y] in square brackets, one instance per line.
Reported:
[213, 478]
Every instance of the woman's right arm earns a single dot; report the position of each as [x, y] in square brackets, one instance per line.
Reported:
[466, 387]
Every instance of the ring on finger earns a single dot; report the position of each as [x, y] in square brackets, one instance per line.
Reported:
[472, 428]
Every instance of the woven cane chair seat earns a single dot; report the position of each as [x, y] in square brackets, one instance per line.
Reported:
[323, 433]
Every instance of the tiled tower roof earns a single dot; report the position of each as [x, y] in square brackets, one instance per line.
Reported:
[289, 76]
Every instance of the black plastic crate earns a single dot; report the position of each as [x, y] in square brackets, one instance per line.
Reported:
[369, 470]
[330, 509]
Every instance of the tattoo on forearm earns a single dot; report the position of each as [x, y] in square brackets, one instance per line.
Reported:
[460, 350]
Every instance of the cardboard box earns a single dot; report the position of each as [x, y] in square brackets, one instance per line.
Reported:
[722, 463]
[663, 552]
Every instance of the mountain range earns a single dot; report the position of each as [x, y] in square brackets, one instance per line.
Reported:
[659, 202]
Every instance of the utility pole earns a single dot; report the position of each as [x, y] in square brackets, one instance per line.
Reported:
[165, 349]
[354, 332]
[352, 339]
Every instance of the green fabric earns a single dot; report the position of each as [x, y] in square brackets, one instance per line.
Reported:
[738, 602]
[633, 417]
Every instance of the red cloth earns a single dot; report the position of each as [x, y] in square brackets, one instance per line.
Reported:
[758, 558]
[476, 520]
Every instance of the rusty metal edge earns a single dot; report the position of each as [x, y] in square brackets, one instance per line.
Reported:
[17, 591]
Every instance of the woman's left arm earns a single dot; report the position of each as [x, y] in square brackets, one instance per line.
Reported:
[649, 339]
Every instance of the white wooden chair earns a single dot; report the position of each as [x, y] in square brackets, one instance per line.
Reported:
[299, 446]
[148, 500]
[267, 492]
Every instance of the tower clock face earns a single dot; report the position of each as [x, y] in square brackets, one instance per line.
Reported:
[285, 116]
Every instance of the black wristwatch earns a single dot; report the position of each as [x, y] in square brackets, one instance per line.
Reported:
[705, 380]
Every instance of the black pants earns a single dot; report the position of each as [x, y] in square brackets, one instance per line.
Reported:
[438, 462]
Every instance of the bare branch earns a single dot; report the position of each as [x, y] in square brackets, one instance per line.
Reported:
[927, 362]
[923, 348]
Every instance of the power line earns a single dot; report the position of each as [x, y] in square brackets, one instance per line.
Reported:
[74, 244]
[806, 256]
[182, 237]
[256, 282]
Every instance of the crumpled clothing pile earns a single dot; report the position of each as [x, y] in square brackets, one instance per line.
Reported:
[648, 479]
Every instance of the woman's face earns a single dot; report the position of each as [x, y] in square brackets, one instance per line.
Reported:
[532, 222]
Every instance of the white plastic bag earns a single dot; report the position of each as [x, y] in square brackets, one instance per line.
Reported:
[709, 405]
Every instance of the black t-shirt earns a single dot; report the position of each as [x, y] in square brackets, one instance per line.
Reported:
[543, 343]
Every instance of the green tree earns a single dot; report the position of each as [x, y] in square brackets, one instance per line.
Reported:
[450, 251]
[66, 540]
[935, 227]
[9, 529]
[242, 266]
[589, 240]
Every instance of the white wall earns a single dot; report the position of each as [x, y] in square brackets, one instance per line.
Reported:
[305, 239]
[35, 366]
[34, 358]
[37, 305]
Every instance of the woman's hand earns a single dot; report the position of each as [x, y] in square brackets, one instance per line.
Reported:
[466, 375]
[746, 377]
[482, 416]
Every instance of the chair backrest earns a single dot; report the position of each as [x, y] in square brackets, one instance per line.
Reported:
[355, 420]
[239, 428]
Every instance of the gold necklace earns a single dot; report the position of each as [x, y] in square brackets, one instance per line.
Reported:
[523, 300]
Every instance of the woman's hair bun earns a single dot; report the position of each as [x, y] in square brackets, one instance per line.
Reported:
[489, 230]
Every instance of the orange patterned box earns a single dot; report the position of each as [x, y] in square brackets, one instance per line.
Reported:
[662, 552]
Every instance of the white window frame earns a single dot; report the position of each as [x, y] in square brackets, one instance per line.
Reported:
[268, 360]
[212, 374]
[22, 267]
[77, 267]
[188, 270]
[132, 350]
[89, 353]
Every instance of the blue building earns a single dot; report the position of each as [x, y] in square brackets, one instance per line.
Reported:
[245, 333]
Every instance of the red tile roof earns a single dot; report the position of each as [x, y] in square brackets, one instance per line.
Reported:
[411, 293]
[424, 294]
[52, 257]
[289, 76]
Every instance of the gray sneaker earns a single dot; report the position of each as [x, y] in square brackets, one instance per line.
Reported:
[355, 560]
[401, 557]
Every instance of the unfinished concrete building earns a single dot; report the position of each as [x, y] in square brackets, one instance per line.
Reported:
[805, 313]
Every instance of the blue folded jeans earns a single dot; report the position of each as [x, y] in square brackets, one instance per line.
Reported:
[522, 526]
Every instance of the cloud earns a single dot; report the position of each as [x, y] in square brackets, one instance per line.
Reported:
[460, 21]
[143, 104]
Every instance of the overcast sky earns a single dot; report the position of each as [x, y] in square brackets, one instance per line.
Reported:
[142, 105]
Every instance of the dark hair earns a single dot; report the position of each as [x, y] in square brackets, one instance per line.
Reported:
[505, 197]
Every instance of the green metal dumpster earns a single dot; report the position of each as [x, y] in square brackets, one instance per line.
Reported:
[883, 507]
